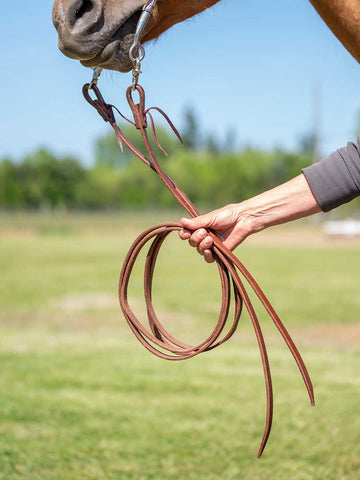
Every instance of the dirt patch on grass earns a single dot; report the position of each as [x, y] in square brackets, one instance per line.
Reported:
[15, 234]
[344, 336]
[84, 302]
[100, 312]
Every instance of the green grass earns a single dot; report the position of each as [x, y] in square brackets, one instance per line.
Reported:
[81, 399]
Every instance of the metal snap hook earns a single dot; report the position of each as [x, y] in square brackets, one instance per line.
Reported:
[96, 74]
[137, 51]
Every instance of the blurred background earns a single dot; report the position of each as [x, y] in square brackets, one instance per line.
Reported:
[258, 92]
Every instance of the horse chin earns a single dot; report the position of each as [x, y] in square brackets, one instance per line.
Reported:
[115, 56]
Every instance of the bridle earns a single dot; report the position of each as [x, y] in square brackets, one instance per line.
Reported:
[136, 51]
[231, 271]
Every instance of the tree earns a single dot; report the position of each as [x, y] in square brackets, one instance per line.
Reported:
[307, 143]
[212, 145]
[230, 140]
[190, 132]
[108, 153]
[49, 181]
[11, 192]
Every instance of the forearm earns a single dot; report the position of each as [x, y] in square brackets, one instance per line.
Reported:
[233, 223]
[321, 187]
[287, 202]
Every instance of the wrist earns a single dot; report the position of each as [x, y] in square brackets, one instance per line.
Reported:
[289, 201]
[251, 216]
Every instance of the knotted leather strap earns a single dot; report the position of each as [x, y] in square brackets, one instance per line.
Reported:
[232, 272]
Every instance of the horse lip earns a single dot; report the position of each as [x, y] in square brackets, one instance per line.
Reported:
[87, 48]
[115, 54]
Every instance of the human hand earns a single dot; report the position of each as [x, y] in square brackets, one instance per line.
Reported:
[228, 223]
[233, 223]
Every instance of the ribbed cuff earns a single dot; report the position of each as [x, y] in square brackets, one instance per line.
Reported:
[335, 179]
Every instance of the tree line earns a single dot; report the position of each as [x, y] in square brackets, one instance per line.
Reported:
[211, 174]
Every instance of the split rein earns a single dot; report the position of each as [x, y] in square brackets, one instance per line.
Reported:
[155, 337]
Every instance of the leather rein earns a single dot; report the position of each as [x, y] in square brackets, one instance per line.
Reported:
[232, 272]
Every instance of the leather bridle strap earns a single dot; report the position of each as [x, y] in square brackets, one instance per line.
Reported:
[156, 338]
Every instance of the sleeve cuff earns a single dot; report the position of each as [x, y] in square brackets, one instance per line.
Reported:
[331, 181]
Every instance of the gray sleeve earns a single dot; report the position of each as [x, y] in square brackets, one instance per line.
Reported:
[335, 179]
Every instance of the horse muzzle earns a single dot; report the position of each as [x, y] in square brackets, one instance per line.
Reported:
[94, 33]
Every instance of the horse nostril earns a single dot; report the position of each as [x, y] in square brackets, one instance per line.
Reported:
[83, 15]
[87, 6]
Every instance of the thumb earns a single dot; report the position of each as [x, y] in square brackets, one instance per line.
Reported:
[202, 221]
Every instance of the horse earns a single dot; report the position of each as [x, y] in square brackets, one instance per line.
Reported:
[100, 33]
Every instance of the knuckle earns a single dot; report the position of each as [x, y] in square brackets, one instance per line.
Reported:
[184, 234]
[193, 242]
[207, 242]
[200, 234]
[208, 256]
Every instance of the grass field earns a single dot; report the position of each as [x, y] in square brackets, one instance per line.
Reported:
[81, 399]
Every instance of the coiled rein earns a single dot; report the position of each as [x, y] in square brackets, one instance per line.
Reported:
[155, 337]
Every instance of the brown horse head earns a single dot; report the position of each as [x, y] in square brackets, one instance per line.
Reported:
[99, 33]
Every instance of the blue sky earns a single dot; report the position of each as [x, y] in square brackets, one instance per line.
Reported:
[251, 65]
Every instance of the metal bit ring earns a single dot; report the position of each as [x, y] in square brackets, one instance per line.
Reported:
[137, 52]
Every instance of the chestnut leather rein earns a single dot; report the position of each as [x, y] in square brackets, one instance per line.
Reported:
[232, 272]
